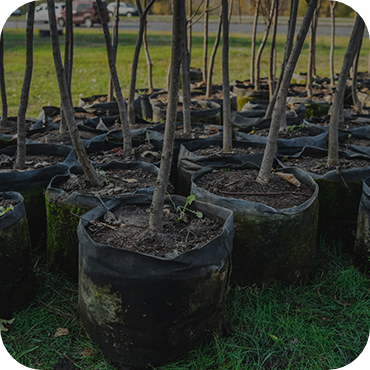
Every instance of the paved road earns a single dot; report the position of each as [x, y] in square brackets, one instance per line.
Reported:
[245, 27]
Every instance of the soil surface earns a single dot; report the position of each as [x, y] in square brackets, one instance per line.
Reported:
[241, 184]
[6, 202]
[318, 165]
[128, 229]
[33, 162]
[216, 150]
[118, 182]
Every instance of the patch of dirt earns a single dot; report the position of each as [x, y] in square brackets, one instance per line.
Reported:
[144, 153]
[119, 181]
[129, 230]
[356, 141]
[318, 165]
[54, 137]
[6, 202]
[196, 132]
[33, 162]
[241, 184]
[216, 150]
[289, 134]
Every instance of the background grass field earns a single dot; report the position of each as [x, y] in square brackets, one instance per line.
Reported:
[91, 72]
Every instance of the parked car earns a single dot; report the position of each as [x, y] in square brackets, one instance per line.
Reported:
[124, 9]
[42, 15]
[84, 12]
[17, 12]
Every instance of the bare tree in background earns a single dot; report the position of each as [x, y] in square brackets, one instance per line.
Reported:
[337, 111]
[279, 108]
[147, 55]
[356, 102]
[127, 142]
[205, 39]
[227, 125]
[68, 60]
[135, 59]
[92, 176]
[23, 104]
[114, 46]
[273, 50]
[332, 42]
[156, 208]
[253, 46]
[4, 101]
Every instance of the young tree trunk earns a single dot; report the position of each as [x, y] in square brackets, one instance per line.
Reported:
[205, 39]
[4, 102]
[115, 47]
[253, 46]
[311, 68]
[156, 208]
[190, 29]
[127, 142]
[68, 60]
[356, 102]
[332, 42]
[272, 51]
[279, 109]
[23, 104]
[353, 45]
[147, 57]
[185, 77]
[227, 125]
[92, 176]
[213, 56]
[135, 59]
[288, 48]
[257, 84]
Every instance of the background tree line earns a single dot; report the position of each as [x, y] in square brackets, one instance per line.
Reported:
[240, 7]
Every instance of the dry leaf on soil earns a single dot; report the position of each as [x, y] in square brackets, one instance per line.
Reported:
[61, 332]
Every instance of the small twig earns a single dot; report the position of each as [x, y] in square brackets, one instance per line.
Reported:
[101, 201]
[97, 223]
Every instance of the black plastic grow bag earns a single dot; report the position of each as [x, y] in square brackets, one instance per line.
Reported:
[143, 310]
[18, 281]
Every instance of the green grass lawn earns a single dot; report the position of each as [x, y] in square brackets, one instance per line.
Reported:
[320, 324]
[91, 72]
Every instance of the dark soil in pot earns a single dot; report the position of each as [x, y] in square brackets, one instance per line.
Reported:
[127, 228]
[242, 184]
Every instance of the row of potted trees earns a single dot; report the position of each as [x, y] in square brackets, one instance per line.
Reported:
[146, 309]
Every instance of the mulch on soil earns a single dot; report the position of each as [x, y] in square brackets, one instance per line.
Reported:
[128, 229]
[242, 184]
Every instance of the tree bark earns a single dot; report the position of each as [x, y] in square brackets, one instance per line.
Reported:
[311, 68]
[279, 109]
[92, 176]
[227, 125]
[115, 47]
[253, 46]
[356, 102]
[127, 142]
[272, 51]
[332, 42]
[23, 104]
[190, 29]
[353, 45]
[68, 60]
[205, 39]
[257, 84]
[147, 57]
[4, 101]
[288, 48]
[213, 56]
[135, 59]
[185, 77]
[156, 207]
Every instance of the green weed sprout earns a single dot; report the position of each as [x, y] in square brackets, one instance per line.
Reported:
[182, 209]
[5, 210]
